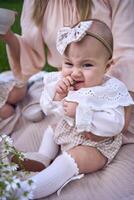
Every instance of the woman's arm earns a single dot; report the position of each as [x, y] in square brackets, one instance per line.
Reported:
[26, 52]
[123, 31]
[14, 51]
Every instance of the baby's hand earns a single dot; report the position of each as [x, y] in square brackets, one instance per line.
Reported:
[63, 86]
[70, 108]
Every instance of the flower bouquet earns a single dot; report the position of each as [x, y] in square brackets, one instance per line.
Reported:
[11, 185]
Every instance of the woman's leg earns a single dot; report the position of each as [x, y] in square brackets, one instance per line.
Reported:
[83, 159]
[6, 111]
[17, 94]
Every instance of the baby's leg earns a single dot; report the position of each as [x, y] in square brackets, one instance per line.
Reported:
[48, 147]
[6, 111]
[54, 176]
[37, 161]
[88, 159]
[17, 94]
[83, 159]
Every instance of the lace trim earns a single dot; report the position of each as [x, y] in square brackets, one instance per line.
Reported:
[111, 94]
[72, 160]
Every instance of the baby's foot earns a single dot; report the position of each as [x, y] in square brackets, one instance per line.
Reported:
[33, 162]
[7, 18]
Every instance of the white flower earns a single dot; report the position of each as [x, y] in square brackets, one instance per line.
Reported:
[10, 168]
[15, 183]
[26, 191]
[11, 186]
[7, 139]
[13, 167]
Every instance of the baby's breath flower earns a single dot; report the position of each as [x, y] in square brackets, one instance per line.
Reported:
[11, 186]
[7, 140]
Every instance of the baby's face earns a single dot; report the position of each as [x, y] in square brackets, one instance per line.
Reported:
[86, 62]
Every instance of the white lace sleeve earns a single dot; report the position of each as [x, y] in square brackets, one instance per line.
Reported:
[46, 100]
[101, 109]
[107, 123]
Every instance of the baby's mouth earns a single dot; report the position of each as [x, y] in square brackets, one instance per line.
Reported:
[77, 84]
[74, 82]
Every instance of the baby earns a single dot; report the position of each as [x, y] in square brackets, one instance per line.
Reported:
[89, 105]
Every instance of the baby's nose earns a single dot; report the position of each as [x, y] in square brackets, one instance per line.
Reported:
[76, 72]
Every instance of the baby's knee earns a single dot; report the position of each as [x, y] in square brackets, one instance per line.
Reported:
[88, 159]
[16, 95]
[6, 111]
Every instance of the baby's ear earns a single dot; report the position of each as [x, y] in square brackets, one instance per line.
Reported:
[109, 63]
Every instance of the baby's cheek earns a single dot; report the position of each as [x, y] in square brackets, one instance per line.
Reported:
[66, 72]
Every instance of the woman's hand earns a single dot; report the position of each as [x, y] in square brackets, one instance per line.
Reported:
[127, 118]
[128, 110]
[70, 108]
[6, 37]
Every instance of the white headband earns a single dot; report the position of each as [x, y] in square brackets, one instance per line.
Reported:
[66, 35]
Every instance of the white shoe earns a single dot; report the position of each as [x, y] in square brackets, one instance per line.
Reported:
[33, 162]
[33, 112]
[7, 18]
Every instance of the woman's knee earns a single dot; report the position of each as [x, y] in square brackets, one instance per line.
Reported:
[88, 159]
[6, 111]
[16, 95]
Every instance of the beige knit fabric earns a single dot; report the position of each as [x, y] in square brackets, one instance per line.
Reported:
[68, 137]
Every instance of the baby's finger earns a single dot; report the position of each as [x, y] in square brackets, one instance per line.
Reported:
[71, 81]
[62, 85]
[59, 90]
[66, 82]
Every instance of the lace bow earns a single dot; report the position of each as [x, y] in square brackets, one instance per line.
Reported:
[66, 35]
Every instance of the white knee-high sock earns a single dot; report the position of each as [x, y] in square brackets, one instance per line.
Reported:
[53, 177]
[48, 147]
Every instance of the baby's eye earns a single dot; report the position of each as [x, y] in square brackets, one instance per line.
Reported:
[88, 65]
[68, 64]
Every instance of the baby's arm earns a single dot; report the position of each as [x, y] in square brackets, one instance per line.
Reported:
[103, 123]
[55, 89]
